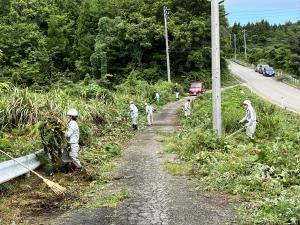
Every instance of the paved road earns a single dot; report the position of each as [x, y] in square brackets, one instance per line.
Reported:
[157, 197]
[268, 87]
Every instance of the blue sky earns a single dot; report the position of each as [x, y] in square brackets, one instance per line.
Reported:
[275, 11]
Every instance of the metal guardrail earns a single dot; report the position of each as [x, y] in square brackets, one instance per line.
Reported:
[288, 79]
[280, 76]
[239, 62]
[11, 169]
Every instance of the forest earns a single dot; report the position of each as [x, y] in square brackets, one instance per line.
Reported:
[56, 40]
[277, 45]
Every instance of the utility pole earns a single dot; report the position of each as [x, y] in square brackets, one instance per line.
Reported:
[216, 83]
[245, 43]
[167, 43]
[234, 37]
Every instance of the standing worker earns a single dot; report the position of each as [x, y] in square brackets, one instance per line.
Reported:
[149, 112]
[249, 119]
[134, 113]
[72, 135]
[187, 108]
[177, 92]
[157, 99]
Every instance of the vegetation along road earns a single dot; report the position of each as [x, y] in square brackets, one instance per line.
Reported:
[156, 196]
[268, 87]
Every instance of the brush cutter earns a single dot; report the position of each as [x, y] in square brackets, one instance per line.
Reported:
[236, 132]
[54, 186]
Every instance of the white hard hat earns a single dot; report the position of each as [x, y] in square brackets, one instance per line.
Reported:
[131, 102]
[72, 112]
[247, 102]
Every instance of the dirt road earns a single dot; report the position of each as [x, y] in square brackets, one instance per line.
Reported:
[156, 196]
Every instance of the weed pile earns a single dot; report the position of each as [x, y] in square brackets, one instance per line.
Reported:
[264, 173]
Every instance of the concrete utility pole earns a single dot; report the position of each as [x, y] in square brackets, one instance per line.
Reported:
[167, 43]
[216, 83]
[245, 44]
[234, 37]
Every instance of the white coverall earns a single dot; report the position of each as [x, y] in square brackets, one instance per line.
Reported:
[134, 113]
[149, 112]
[187, 109]
[250, 120]
[72, 135]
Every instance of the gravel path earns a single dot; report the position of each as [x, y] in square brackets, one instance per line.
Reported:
[157, 197]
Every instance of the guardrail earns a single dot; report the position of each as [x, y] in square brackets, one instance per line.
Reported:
[280, 76]
[288, 79]
[11, 169]
[239, 62]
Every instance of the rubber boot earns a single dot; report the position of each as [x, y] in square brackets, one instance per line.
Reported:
[65, 168]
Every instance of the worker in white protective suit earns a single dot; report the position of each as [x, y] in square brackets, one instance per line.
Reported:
[134, 113]
[149, 113]
[187, 108]
[72, 135]
[177, 92]
[249, 119]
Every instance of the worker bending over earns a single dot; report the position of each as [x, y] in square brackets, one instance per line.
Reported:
[249, 119]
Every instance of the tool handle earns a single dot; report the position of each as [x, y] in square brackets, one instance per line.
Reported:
[22, 164]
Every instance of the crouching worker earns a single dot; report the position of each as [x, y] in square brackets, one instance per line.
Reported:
[72, 135]
[249, 119]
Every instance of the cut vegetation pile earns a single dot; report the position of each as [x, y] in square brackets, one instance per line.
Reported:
[264, 174]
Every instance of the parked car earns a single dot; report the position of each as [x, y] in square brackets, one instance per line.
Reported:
[269, 72]
[256, 69]
[196, 88]
[262, 67]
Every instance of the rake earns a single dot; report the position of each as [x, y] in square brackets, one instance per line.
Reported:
[56, 188]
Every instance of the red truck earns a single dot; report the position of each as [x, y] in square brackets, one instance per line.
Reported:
[196, 88]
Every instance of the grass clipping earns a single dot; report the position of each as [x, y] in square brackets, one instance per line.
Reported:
[53, 139]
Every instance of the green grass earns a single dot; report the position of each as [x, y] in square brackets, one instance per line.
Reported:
[110, 200]
[264, 174]
[178, 169]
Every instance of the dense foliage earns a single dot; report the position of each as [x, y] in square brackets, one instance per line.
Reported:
[43, 41]
[25, 114]
[264, 173]
[277, 45]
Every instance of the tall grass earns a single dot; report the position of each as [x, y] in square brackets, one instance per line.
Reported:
[265, 174]
[103, 113]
